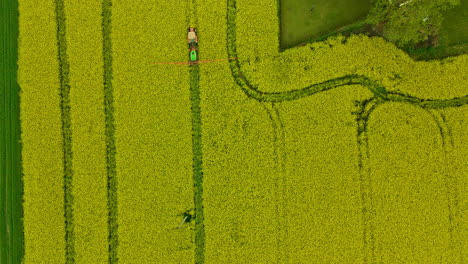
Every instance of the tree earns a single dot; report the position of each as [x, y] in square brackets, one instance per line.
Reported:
[409, 22]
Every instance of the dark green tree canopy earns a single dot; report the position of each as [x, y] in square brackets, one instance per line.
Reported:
[408, 22]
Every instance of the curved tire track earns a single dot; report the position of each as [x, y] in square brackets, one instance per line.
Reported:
[381, 95]
[451, 186]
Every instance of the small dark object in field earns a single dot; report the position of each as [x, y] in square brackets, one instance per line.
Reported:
[188, 217]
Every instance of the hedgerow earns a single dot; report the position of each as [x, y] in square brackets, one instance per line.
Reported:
[84, 48]
[41, 125]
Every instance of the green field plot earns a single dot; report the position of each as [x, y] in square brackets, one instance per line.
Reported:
[11, 227]
[304, 20]
[455, 27]
[339, 151]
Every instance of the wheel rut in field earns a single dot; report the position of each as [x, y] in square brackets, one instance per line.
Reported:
[64, 70]
[197, 164]
[365, 108]
[112, 183]
[451, 185]
[280, 181]
[197, 146]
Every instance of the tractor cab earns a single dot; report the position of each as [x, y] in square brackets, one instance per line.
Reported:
[192, 40]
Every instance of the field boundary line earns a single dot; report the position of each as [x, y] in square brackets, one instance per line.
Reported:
[281, 207]
[64, 70]
[112, 180]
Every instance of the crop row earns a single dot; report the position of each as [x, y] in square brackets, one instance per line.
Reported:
[153, 131]
[41, 125]
[84, 52]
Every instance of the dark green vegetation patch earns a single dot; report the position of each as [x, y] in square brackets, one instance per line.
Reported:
[11, 228]
[302, 20]
[425, 30]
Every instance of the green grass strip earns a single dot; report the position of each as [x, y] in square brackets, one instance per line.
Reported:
[64, 70]
[11, 225]
[110, 131]
[197, 164]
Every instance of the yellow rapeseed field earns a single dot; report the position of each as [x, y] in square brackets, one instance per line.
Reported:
[339, 151]
[153, 131]
[84, 43]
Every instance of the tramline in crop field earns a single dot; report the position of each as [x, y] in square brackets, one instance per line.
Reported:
[339, 151]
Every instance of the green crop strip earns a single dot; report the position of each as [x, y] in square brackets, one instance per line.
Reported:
[110, 131]
[11, 225]
[197, 164]
[197, 146]
[64, 68]
[381, 95]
